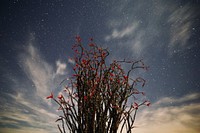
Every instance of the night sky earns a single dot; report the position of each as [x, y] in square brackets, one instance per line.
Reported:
[36, 37]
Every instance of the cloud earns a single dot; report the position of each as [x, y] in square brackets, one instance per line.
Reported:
[25, 130]
[131, 28]
[181, 21]
[24, 116]
[43, 75]
[61, 68]
[125, 32]
[31, 112]
[37, 70]
[187, 98]
[182, 118]
[151, 26]
[136, 44]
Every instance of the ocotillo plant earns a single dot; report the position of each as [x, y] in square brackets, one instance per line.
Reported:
[99, 97]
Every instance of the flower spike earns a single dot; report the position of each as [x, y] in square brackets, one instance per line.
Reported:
[50, 96]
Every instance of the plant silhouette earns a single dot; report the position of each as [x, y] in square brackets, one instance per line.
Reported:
[99, 97]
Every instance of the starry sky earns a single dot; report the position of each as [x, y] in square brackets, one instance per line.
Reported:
[36, 37]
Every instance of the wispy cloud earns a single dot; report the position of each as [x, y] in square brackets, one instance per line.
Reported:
[181, 21]
[182, 118]
[37, 70]
[187, 98]
[125, 32]
[24, 116]
[43, 75]
[132, 29]
[61, 68]
[146, 26]
[35, 113]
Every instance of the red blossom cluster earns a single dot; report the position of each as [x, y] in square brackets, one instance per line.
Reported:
[99, 93]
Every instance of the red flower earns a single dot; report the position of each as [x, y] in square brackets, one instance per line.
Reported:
[91, 39]
[93, 68]
[103, 54]
[113, 68]
[60, 96]
[85, 98]
[142, 93]
[84, 62]
[111, 74]
[74, 68]
[92, 94]
[118, 66]
[76, 51]
[147, 103]
[75, 75]
[78, 38]
[91, 45]
[115, 106]
[125, 77]
[135, 105]
[50, 96]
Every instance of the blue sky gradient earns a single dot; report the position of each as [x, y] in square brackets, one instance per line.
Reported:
[35, 45]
